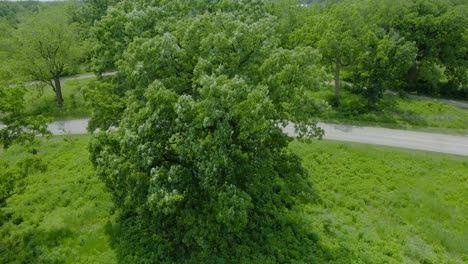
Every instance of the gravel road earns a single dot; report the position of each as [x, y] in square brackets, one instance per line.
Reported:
[360, 134]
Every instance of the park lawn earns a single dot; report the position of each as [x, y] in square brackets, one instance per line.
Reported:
[61, 216]
[396, 112]
[375, 205]
[40, 100]
[387, 205]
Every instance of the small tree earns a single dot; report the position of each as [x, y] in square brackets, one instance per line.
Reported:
[48, 46]
[15, 126]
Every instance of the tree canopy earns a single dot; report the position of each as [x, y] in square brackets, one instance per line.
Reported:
[198, 160]
[378, 45]
[49, 45]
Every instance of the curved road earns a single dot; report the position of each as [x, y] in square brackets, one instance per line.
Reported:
[369, 135]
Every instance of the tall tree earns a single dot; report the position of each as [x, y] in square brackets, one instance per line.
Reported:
[335, 32]
[48, 46]
[198, 162]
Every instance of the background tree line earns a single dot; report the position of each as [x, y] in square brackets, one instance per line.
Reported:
[411, 46]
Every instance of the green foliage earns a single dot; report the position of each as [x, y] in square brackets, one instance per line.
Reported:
[49, 46]
[11, 176]
[382, 66]
[412, 45]
[39, 100]
[385, 205]
[48, 43]
[61, 210]
[198, 163]
[15, 125]
[438, 29]
[374, 58]
[204, 184]
[374, 204]
[396, 112]
[86, 12]
[6, 48]
[106, 101]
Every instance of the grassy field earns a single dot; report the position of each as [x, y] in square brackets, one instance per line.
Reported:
[376, 205]
[62, 214]
[387, 205]
[397, 112]
[41, 100]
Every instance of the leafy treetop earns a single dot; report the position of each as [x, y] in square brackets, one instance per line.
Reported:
[198, 160]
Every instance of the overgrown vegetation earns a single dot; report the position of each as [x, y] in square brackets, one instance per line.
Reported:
[39, 100]
[372, 205]
[15, 125]
[417, 45]
[60, 210]
[386, 205]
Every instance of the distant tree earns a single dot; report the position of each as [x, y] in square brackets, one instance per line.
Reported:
[10, 11]
[335, 32]
[197, 162]
[7, 48]
[48, 46]
[351, 39]
[89, 11]
[438, 29]
[381, 65]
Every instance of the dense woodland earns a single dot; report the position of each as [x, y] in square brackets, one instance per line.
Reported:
[188, 155]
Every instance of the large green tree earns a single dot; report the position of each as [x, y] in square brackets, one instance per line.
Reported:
[48, 46]
[198, 163]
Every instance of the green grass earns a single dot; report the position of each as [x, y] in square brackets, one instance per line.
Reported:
[396, 112]
[387, 205]
[62, 214]
[376, 205]
[41, 100]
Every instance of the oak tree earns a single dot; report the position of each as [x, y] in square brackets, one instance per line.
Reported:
[198, 163]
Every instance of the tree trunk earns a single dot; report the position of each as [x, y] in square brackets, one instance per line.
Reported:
[58, 90]
[337, 83]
